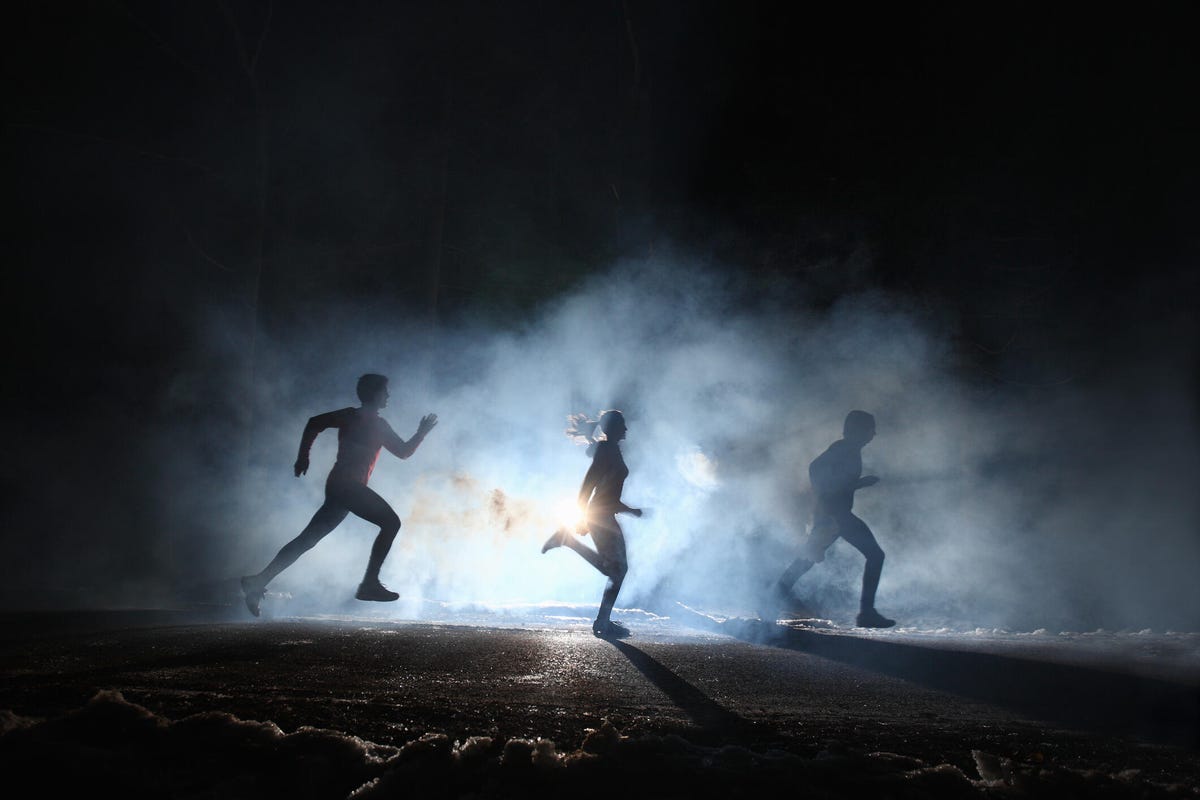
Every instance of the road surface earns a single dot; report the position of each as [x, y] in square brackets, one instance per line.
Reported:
[168, 704]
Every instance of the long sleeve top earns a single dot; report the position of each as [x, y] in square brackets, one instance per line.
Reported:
[361, 434]
[835, 475]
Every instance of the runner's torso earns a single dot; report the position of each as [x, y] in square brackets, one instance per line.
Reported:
[361, 434]
[607, 497]
[834, 475]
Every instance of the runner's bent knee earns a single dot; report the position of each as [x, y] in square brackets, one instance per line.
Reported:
[385, 518]
[856, 532]
[365, 503]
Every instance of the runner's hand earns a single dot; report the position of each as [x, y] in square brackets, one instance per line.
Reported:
[301, 466]
[427, 423]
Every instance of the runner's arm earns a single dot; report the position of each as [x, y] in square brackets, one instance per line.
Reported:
[403, 449]
[315, 425]
[590, 480]
[832, 473]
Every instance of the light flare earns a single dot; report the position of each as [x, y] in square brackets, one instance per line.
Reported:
[569, 515]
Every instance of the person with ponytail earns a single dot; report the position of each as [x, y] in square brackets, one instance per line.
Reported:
[600, 495]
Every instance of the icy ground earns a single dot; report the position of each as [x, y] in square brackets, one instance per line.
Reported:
[122, 749]
[502, 700]
[1167, 654]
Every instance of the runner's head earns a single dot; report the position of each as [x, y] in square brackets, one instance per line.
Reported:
[612, 422]
[373, 391]
[859, 427]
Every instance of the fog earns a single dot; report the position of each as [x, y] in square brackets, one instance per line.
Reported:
[1069, 506]
[981, 235]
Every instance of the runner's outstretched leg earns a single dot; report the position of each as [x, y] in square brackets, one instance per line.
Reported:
[328, 517]
[792, 574]
[589, 555]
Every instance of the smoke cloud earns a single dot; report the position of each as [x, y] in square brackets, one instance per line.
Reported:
[1066, 506]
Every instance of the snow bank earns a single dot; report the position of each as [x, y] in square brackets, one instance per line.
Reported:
[112, 745]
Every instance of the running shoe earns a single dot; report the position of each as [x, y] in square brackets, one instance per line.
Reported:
[254, 593]
[556, 540]
[374, 590]
[873, 619]
[609, 630]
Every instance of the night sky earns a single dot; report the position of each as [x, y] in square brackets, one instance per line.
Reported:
[1025, 175]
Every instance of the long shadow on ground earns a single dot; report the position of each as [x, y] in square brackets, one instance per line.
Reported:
[705, 712]
[1068, 695]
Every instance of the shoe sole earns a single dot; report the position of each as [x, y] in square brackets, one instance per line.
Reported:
[621, 634]
[556, 540]
[253, 599]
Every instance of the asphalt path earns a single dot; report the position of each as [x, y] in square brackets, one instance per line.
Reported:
[805, 693]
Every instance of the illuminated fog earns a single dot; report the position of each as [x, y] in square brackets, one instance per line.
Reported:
[998, 506]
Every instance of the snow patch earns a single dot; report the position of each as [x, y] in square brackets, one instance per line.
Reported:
[128, 750]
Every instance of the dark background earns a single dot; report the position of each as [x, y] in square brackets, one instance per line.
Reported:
[1029, 172]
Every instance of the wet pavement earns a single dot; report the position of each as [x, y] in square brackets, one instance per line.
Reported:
[390, 683]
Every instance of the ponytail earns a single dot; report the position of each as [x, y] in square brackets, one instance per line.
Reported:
[582, 428]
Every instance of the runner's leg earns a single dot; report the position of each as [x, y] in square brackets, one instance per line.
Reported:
[364, 502]
[610, 546]
[589, 555]
[793, 573]
[824, 531]
[856, 532]
[328, 517]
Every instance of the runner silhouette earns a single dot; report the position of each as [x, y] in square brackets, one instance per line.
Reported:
[600, 493]
[361, 434]
[836, 475]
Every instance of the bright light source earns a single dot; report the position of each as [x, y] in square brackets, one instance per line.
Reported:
[569, 515]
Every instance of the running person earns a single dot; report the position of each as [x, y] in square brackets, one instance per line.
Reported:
[361, 434]
[600, 494]
[836, 475]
